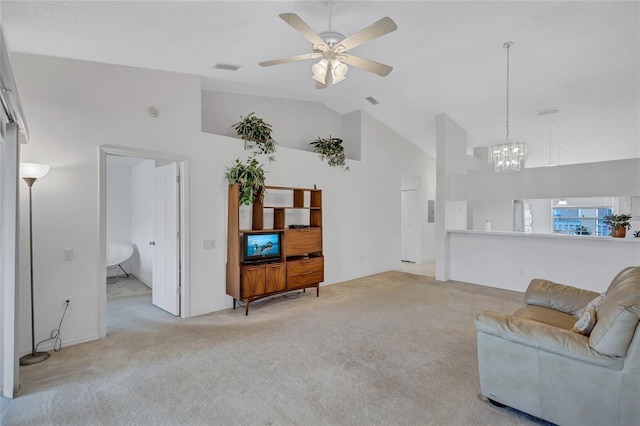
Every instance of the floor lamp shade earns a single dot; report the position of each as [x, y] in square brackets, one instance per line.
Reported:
[31, 172]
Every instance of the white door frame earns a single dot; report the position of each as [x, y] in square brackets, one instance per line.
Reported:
[9, 270]
[183, 165]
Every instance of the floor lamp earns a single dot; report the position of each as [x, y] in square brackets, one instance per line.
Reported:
[31, 172]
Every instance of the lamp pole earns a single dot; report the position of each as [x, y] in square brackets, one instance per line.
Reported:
[34, 357]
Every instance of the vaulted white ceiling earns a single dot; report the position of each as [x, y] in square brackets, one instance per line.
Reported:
[580, 57]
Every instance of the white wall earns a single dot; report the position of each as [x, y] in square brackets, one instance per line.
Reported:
[451, 153]
[498, 212]
[512, 260]
[74, 107]
[596, 179]
[295, 123]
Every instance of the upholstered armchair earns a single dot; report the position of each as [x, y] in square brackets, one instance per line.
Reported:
[569, 356]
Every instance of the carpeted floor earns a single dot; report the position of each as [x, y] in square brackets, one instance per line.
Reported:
[126, 287]
[390, 349]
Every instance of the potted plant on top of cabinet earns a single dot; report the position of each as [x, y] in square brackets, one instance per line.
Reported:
[618, 223]
[250, 177]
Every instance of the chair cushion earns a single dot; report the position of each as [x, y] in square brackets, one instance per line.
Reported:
[560, 297]
[546, 316]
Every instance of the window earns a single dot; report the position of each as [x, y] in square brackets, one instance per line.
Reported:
[581, 220]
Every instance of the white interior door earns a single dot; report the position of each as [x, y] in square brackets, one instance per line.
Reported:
[409, 217]
[166, 282]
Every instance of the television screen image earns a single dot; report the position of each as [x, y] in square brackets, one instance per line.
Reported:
[262, 246]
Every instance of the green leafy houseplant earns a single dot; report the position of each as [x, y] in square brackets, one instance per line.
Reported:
[250, 176]
[256, 134]
[332, 149]
[618, 223]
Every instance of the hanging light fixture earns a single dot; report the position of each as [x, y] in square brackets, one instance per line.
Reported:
[331, 60]
[508, 156]
[320, 70]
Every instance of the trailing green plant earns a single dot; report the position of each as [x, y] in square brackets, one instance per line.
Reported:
[615, 221]
[256, 134]
[250, 176]
[331, 149]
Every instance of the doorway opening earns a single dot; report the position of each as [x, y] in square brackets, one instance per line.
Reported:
[143, 211]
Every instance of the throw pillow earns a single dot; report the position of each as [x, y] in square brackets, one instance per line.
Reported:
[587, 320]
[595, 303]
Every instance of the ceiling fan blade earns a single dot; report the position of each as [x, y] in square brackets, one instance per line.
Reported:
[373, 31]
[366, 64]
[291, 59]
[300, 26]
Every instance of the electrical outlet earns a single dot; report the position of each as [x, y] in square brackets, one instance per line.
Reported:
[66, 302]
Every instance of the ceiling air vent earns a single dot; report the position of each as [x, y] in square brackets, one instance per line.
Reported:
[548, 111]
[227, 67]
[372, 100]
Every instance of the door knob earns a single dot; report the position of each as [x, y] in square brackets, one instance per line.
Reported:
[152, 243]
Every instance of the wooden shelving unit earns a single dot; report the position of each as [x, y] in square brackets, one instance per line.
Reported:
[301, 264]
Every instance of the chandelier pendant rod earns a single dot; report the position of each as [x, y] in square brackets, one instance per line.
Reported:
[507, 45]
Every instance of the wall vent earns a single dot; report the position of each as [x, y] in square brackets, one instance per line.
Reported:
[372, 100]
[227, 67]
[548, 111]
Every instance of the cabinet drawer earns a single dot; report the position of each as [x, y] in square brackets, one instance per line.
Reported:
[307, 271]
[309, 277]
[302, 241]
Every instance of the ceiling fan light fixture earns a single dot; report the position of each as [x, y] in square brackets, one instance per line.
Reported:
[338, 71]
[331, 47]
[319, 70]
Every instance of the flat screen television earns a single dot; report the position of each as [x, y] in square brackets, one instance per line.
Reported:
[261, 247]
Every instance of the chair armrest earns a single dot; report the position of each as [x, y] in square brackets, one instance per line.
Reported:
[544, 337]
[559, 297]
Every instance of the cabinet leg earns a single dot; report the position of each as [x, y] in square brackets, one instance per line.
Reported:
[234, 303]
[246, 307]
[318, 290]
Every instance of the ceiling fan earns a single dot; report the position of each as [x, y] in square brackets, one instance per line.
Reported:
[331, 47]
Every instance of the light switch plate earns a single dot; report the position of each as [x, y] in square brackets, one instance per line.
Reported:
[68, 254]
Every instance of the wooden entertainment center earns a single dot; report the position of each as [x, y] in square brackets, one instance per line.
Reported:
[300, 263]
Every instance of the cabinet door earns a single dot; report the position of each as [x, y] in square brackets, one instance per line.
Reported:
[253, 281]
[302, 241]
[276, 277]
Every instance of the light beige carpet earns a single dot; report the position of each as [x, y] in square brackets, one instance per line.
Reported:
[126, 287]
[390, 349]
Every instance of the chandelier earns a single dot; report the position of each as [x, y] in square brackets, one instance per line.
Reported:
[508, 156]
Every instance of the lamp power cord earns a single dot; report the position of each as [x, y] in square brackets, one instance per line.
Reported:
[55, 333]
